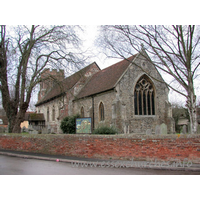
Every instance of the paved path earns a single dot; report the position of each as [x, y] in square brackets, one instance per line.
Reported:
[23, 166]
[18, 163]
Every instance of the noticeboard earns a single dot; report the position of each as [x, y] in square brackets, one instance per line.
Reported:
[84, 125]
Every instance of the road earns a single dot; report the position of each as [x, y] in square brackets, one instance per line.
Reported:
[21, 166]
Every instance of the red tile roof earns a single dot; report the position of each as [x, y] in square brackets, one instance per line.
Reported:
[60, 88]
[105, 79]
[101, 81]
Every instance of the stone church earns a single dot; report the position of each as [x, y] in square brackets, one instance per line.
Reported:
[123, 95]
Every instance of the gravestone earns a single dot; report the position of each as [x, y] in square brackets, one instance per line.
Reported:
[34, 132]
[44, 130]
[31, 130]
[24, 129]
[157, 130]
[163, 128]
[126, 129]
[148, 132]
[49, 129]
[184, 129]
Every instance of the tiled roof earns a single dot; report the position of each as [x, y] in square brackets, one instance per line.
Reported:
[5, 119]
[105, 79]
[36, 117]
[27, 115]
[60, 88]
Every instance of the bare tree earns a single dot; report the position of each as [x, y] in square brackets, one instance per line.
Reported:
[172, 49]
[24, 53]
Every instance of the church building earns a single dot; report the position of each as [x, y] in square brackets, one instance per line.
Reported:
[130, 95]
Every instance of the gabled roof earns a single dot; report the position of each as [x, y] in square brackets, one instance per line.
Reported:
[59, 89]
[105, 79]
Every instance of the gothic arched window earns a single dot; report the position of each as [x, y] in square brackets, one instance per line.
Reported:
[82, 111]
[48, 114]
[144, 97]
[101, 112]
[53, 114]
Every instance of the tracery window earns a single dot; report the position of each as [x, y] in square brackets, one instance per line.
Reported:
[82, 111]
[101, 112]
[144, 97]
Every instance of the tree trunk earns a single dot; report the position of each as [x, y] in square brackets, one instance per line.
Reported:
[15, 118]
[20, 118]
[16, 127]
[11, 112]
[10, 124]
[191, 104]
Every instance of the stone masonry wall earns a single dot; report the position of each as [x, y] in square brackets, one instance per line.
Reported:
[125, 147]
[106, 98]
[63, 105]
[126, 88]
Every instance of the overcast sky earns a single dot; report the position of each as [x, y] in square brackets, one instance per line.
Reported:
[94, 13]
[91, 32]
[89, 36]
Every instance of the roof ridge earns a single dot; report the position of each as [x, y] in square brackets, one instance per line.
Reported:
[81, 70]
[108, 76]
[124, 59]
[81, 73]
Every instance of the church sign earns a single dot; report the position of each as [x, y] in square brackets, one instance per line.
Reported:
[84, 125]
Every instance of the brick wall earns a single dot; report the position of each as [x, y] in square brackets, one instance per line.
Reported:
[108, 147]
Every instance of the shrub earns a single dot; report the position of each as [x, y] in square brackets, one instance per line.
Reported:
[68, 124]
[105, 130]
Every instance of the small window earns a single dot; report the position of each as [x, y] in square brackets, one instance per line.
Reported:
[48, 114]
[82, 112]
[101, 112]
[53, 114]
[1, 121]
[58, 111]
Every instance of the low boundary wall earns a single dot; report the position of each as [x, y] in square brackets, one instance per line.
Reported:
[125, 147]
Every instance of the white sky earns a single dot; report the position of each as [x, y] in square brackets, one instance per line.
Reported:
[91, 32]
[94, 13]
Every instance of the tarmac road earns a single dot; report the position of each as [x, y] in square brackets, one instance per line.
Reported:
[22, 166]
